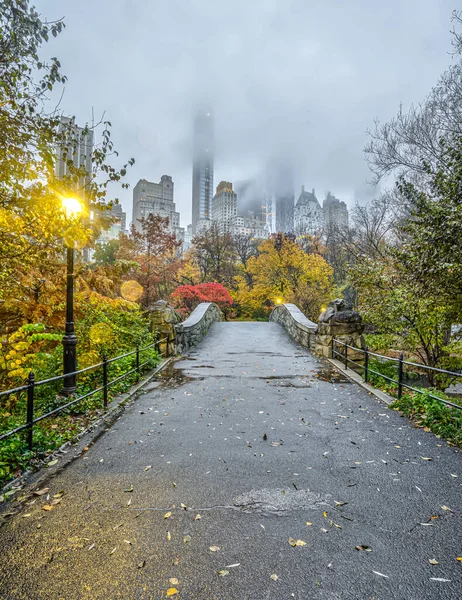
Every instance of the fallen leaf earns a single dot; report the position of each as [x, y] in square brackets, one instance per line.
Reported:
[444, 507]
[148, 467]
[40, 492]
[439, 579]
[294, 543]
[173, 581]
[183, 506]
[176, 561]
[308, 523]
[167, 515]
[340, 503]
[47, 507]
[59, 495]
[274, 577]
[233, 566]
[338, 526]
[130, 489]
[141, 564]
[186, 539]
[27, 515]
[365, 548]
[129, 502]
[454, 475]
[172, 592]
[169, 536]
[325, 514]
[174, 484]
[128, 542]
[426, 458]
[197, 518]
[113, 550]
[433, 561]
[223, 573]
[380, 574]
[52, 462]
[214, 548]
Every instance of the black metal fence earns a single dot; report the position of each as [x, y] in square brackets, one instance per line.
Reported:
[400, 363]
[31, 385]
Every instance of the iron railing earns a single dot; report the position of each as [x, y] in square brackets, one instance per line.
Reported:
[31, 385]
[400, 363]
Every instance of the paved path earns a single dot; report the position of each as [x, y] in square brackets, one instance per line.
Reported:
[254, 435]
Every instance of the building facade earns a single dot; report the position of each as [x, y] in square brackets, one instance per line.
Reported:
[308, 214]
[76, 147]
[156, 199]
[335, 212]
[114, 223]
[224, 206]
[250, 226]
[202, 179]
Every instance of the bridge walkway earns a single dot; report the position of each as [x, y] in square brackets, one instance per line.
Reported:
[248, 442]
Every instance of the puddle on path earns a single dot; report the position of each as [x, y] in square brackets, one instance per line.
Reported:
[331, 375]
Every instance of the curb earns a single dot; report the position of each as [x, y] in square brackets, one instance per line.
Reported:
[355, 378]
[39, 476]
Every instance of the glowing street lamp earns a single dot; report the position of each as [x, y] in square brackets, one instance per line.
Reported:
[72, 208]
[278, 300]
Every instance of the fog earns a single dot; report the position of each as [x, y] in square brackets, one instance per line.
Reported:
[298, 78]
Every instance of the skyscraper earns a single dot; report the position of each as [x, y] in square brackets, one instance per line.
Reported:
[224, 206]
[335, 212]
[156, 199]
[281, 193]
[202, 182]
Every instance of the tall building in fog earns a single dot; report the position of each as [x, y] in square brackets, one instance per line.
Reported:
[224, 206]
[251, 198]
[335, 212]
[202, 181]
[281, 195]
[156, 199]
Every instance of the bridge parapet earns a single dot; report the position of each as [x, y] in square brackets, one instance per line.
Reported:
[190, 332]
[298, 326]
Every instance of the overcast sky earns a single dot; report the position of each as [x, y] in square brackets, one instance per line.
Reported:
[306, 76]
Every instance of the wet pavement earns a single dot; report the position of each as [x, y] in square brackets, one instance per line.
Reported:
[243, 445]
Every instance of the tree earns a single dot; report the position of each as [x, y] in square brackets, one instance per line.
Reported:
[187, 297]
[413, 139]
[154, 250]
[283, 272]
[215, 255]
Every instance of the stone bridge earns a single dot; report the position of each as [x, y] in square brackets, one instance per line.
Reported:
[251, 470]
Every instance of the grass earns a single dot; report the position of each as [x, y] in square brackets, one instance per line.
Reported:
[425, 412]
[51, 433]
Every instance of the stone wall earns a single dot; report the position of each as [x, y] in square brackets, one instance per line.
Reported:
[163, 318]
[300, 328]
[190, 332]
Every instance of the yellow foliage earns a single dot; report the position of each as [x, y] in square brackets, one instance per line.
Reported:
[285, 273]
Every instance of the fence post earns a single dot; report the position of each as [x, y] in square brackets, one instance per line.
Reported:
[137, 362]
[366, 364]
[105, 380]
[346, 356]
[400, 376]
[30, 409]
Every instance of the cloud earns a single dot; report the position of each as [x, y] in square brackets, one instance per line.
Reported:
[296, 77]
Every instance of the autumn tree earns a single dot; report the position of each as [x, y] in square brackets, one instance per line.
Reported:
[283, 272]
[187, 297]
[214, 253]
[154, 251]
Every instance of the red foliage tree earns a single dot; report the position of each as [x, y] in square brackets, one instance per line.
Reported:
[187, 297]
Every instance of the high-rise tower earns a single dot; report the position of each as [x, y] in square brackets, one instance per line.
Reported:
[202, 183]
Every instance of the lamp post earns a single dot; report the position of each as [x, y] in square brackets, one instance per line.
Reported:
[72, 208]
